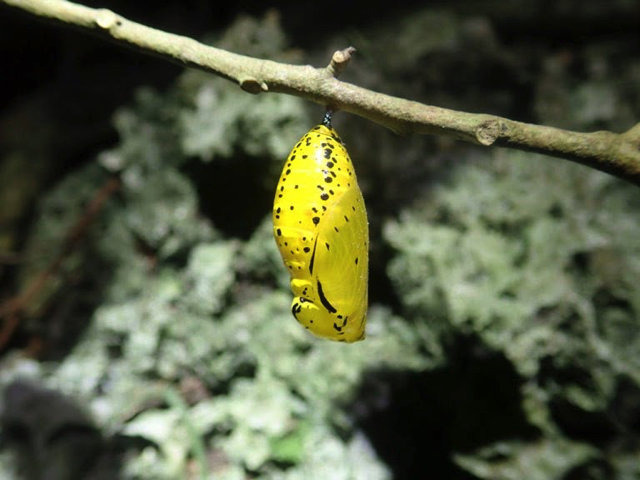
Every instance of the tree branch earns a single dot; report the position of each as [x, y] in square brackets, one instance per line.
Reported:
[617, 154]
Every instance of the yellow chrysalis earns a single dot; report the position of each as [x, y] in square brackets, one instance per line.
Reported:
[320, 227]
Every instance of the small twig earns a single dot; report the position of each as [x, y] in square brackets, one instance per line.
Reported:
[617, 154]
[340, 60]
[12, 308]
[10, 258]
[12, 320]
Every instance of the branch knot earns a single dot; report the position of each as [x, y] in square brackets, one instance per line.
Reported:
[488, 131]
[106, 19]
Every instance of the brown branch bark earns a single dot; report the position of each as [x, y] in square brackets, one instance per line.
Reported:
[617, 154]
[12, 309]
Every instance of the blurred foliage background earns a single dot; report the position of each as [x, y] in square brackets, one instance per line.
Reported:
[156, 340]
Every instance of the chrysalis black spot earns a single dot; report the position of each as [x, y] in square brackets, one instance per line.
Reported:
[323, 299]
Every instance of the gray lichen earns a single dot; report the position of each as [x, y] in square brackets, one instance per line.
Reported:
[538, 261]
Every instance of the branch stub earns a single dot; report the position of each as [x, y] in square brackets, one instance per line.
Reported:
[106, 19]
[339, 60]
[253, 86]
